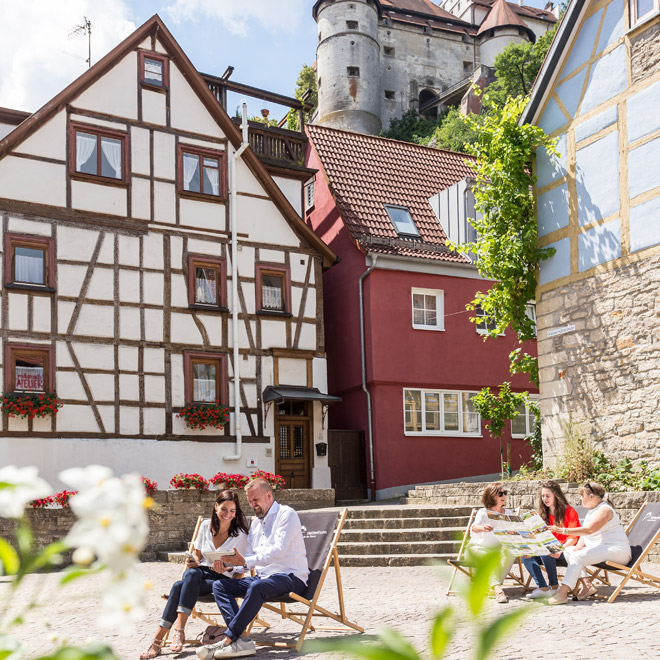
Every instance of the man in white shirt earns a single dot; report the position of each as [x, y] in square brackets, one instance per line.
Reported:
[276, 551]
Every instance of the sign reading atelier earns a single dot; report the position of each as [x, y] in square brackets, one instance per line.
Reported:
[30, 378]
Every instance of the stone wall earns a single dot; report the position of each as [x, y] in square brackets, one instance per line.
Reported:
[645, 53]
[524, 494]
[603, 375]
[172, 521]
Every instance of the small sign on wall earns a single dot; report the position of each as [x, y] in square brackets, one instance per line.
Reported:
[562, 330]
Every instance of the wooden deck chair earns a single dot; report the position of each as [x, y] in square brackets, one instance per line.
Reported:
[321, 530]
[643, 532]
[517, 572]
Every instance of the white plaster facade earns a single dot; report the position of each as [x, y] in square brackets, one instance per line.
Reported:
[116, 312]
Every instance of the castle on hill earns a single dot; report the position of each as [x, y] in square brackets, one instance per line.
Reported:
[376, 59]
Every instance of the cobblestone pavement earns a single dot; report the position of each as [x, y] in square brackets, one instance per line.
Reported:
[403, 598]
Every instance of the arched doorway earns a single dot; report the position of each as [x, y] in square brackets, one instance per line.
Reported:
[424, 97]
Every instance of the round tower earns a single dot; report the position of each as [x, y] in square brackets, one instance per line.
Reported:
[348, 64]
[501, 27]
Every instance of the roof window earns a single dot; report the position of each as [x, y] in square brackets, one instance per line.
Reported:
[402, 220]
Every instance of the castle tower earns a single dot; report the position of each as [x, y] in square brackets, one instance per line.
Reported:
[348, 64]
[501, 27]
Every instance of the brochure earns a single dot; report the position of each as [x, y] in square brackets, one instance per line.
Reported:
[214, 555]
[524, 533]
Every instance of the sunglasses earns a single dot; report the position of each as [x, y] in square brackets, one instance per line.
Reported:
[501, 493]
[589, 488]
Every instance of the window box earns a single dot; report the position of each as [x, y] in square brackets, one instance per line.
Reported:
[207, 283]
[440, 413]
[29, 405]
[428, 309]
[201, 173]
[273, 289]
[29, 262]
[201, 415]
[98, 154]
[205, 377]
[154, 70]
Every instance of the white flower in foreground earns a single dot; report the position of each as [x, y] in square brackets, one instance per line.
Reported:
[84, 478]
[18, 486]
[123, 601]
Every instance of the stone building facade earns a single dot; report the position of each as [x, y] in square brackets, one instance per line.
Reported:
[376, 59]
[598, 310]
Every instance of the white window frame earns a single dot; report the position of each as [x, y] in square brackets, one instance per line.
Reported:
[309, 195]
[529, 425]
[636, 20]
[440, 432]
[482, 331]
[530, 310]
[439, 309]
[414, 231]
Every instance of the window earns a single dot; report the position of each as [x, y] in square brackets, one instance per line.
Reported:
[99, 153]
[29, 262]
[353, 71]
[388, 51]
[642, 9]
[389, 94]
[467, 69]
[154, 69]
[29, 368]
[523, 424]
[201, 172]
[428, 309]
[439, 412]
[402, 221]
[530, 310]
[351, 25]
[205, 377]
[309, 195]
[273, 289]
[207, 277]
[484, 326]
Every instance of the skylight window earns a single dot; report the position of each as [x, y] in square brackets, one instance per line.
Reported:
[402, 221]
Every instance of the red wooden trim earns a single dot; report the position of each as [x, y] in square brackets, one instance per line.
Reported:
[35, 348]
[220, 358]
[220, 156]
[98, 131]
[201, 259]
[42, 241]
[166, 68]
[274, 268]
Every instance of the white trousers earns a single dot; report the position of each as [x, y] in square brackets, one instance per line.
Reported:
[506, 562]
[578, 559]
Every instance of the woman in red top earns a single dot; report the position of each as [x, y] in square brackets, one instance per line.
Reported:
[553, 508]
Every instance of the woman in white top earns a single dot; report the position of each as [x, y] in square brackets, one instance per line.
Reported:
[602, 538]
[483, 539]
[227, 529]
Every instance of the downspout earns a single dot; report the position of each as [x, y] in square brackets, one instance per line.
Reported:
[233, 219]
[370, 433]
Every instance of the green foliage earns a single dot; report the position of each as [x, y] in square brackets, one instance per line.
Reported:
[391, 645]
[577, 460]
[454, 131]
[411, 128]
[306, 81]
[524, 363]
[516, 68]
[535, 440]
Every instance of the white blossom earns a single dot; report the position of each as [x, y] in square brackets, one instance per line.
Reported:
[18, 486]
[123, 600]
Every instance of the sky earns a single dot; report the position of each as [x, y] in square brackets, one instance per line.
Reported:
[266, 41]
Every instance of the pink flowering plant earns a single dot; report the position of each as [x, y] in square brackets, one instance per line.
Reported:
[275, 480]
[230, 480]
[201, 415]
[150, 486]
[189, 482]
[30, 404]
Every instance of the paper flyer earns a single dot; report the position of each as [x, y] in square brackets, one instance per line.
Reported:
[524, 533]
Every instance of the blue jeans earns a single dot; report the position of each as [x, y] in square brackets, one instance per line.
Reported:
[255, 592]
[184, 593]
[533, 568]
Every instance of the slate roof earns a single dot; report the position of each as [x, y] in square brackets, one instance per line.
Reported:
[365, 172]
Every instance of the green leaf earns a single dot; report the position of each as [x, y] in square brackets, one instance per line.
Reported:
[488, 637]
[72, 573]
[398, 644]
[8, 558]
[476, 591]
[367, 647]
[441, 632]
[96, 651]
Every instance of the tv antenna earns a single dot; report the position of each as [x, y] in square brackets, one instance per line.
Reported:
[84, 29]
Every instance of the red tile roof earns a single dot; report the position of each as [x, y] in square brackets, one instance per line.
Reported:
[365, 172]
[502, 14]
[523, 10]
[425, 7]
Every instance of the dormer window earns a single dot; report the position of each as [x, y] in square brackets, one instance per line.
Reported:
[402, 220]
[154, 70]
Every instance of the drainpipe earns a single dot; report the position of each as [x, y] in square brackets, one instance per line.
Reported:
[370, 433]
[233, 219]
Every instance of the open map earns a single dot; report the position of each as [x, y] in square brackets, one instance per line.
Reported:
[524, 533]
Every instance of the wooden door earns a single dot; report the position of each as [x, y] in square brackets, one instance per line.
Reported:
[348, 465]
[293, 452]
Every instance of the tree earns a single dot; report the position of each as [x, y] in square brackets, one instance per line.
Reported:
[411, 127]
[454, 133]
[306, 81]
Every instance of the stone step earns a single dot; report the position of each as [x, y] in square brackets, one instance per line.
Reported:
[173, 557]
[387, 535]
[405, 523]
[390, 560]
[396, 511]
[403, 548]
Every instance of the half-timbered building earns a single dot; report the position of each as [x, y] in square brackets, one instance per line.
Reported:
[123, 203]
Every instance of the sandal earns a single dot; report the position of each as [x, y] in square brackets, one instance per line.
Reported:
[178, 640]
[154, 649]
[584, 594]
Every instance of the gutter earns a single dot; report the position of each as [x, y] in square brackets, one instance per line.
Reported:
[233, 219]
[370, 432]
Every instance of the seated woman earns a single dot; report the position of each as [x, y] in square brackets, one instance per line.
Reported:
[483, 539]
[602, 538]
[555, 510]
[226, 529]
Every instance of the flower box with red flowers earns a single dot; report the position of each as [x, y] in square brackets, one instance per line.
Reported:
[201, 415]
[223, 480]
[275, 480]
[30, 404]
[189, 482]
[57, 500]
[150, 486]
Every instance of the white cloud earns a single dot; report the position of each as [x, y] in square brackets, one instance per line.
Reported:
[34, 45]
[281, 16]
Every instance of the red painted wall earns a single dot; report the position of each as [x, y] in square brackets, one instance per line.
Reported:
[399, 356]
